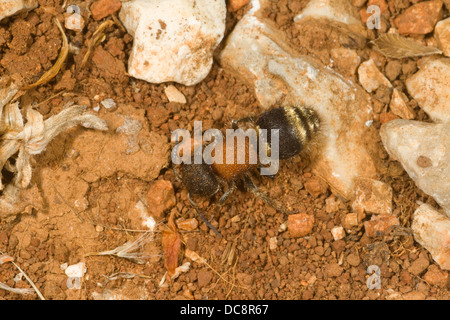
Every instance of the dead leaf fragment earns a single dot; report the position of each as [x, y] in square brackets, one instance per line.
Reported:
[395, 46]
[171, 242]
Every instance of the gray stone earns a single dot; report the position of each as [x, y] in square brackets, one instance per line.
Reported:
[432, 230]
[430, 87]
[423, 149]
[174, 40]
[11, 7]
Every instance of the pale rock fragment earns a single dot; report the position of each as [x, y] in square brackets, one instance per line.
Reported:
[336, 10]
[380, 225]
[432, 230]
[11, 7]
[423, 149]
[258, 54]
[109, 104]
[174, 95]
[346, 60]
[372, 196]
[235, 5]
[188, 224]
[338, 233]
[350, 220]
[76, 270]
[430, 88]
[140, 218]
[174, 40]
[442, 34]
[273, 243]
[370, 77]
[340, 15]
[399, 107]
[75, 22]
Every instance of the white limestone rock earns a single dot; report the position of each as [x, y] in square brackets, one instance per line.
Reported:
[430, 87]
[338, 233]
[11, 7]
[174, 95]
[370, 77]
[399, 106]
[432, 230]
[423, 149]
[372, 196]
[257, 53]
[174, 40]
[442, 34]
[336, 10]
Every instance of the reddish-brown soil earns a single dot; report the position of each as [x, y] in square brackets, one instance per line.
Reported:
[312, 267]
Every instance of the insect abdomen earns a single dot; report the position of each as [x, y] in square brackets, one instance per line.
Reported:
[296, 124]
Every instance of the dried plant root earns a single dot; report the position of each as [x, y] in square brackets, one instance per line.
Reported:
[15, 290]
[97, 38]
[53, 71]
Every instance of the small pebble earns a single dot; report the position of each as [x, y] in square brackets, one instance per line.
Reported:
[188, 224]
[350, 220]
[430, 88]
[372, 196]
[370, 77]
[235, 5]
[420, 18]
[442, 34]
[436, 277]
[103, 8]
[316, 186]
[273, 243]
[300, 224]
[109, 104]
[174, 95]
[160, 197]
[380, 224]
[338, 233]
[74, 22]
[399, 107]
[76, 270]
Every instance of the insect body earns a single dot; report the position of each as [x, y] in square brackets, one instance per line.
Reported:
[296, 127]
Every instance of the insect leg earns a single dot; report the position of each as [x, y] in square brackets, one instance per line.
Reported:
[203, 218]
[254, 189]
[235, 123]
[225, 196]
